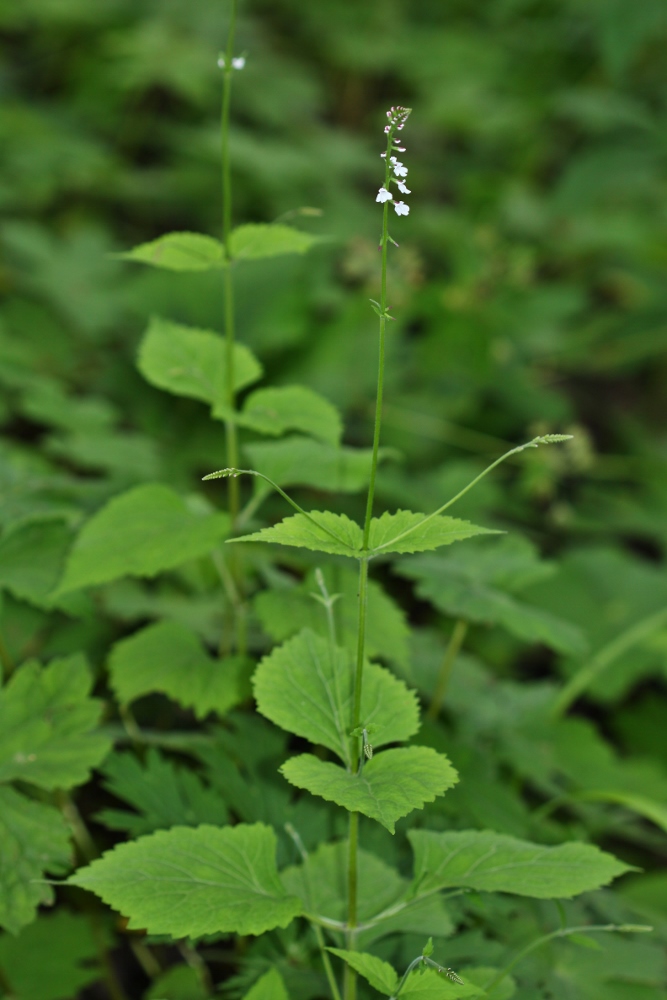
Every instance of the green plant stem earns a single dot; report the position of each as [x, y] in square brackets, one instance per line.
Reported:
[563, 932]
[604, 658]
[6, 660]
[380, 379]
[231, 433]
[453, 648]
[230, 426]
[350, 984]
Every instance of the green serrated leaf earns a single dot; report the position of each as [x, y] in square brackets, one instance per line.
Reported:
[307, 688]
[379, 974]
[321, 531]
[191, 362]
[478, 583]
[188, 882]
[34, 839]
[285, 611]
[179, 252]
[168, 657]
[492, 862]
[162, 794]
[406, 531]
[140, 533]
[47, 722]
[427, 984]
[32, 556]
[300, 461]
[256, 240]
[391, 785]
[288, 408]
[68, 958]
[269, 987]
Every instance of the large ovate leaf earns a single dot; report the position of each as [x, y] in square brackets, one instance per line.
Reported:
[493, 862]
[320, 531]
[162, 794]
[68, 958]
[179, 252]
[307, 687]
[390, 786]
[406, 531]
[168, 657]
[47, 725]
[255, 240]
[300, 461]
[381, 975]
[286, 610]
[270, 986]
[34, 839]
[180, 982]
[191, 362]
[140, 533]
[288, 408]
[478, 584]
[188, 882]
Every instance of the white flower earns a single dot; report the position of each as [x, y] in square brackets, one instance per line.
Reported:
[238, 62]
[402, 188]
[399, 169]
[384, 195]
[401, 208]
[221, 62]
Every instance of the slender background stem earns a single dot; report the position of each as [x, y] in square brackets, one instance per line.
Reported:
[231, 434]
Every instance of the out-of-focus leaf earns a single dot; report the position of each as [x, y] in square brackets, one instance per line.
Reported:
[162, 794]
[255, 240]
[140, 533]
[288, 408]
[168, 657]
[179, 252]
[68, 958]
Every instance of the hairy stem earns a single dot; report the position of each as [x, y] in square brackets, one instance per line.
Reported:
[452, 651]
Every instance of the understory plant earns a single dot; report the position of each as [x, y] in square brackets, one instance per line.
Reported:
[299, 852]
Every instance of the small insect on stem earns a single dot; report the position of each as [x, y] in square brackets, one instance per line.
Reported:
[368, 749]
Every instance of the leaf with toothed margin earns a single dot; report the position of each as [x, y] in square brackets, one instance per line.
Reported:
[179, 252]
[381, 975]
[493, 862]
[406, 531]
[307, 687]
[258, 239]
[390, 786]
[320, 531]
[191, 362]
[188, 882]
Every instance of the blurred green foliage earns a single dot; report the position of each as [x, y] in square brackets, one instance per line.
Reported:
[531, 296]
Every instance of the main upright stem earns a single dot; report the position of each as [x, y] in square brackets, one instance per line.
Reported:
[350, 983]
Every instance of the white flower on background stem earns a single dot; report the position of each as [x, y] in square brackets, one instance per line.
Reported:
[384, 195]
[401, 208]
[402, 188]
[238, 62]
[399, 169]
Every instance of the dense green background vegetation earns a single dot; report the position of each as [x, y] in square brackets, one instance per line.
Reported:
[531, 297]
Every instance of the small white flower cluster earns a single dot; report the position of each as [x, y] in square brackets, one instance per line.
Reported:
[238, 62]
[397, 118]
